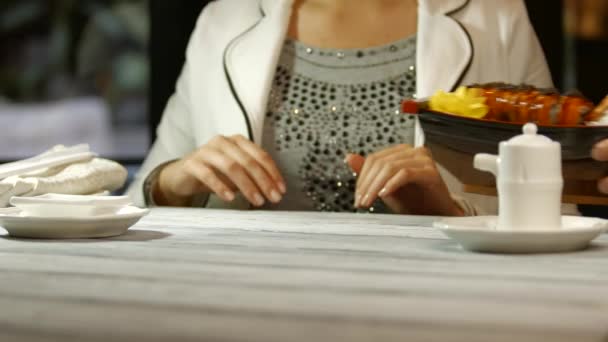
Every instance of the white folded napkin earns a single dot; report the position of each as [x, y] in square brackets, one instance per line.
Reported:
[61, 170]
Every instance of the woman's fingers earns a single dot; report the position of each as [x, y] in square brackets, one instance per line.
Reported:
[263, 158]
[372, 187]
[373, 166]
[370, 171]
[207, 176]
[355, 162]
[222, 166]
[253, 168]
[378, 184]
[235, 172]
[421, 175]
[377, 163]
[385, 174]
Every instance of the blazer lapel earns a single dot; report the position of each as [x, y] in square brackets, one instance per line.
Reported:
[444, 51]
[250, 61]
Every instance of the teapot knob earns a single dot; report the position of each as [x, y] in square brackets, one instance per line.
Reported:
[530, 129]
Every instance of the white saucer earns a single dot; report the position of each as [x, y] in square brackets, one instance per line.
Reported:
[59, 205]
[479, 234]
[18, 224]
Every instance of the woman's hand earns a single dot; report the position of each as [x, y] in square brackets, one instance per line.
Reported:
[406, 179]
[223, 166]
[600, 153]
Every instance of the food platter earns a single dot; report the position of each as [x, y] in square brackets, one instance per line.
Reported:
[454, 139]
[471, 135]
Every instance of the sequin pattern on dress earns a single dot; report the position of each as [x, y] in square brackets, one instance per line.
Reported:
[315, 123]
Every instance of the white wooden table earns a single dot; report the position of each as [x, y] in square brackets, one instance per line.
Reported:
[200, 275]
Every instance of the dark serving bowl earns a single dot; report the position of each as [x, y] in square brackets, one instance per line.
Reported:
[454, 141]
[473, 136]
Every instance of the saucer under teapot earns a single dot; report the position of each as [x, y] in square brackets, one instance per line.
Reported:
[529, 182]
[479, 234]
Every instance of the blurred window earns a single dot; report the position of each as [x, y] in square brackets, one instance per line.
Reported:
[587, 19]
[74, 71]
[586, 46]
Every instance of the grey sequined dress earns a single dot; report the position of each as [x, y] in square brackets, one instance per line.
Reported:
[326, 103]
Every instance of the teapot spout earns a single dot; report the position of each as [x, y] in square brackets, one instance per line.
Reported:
[486, 162]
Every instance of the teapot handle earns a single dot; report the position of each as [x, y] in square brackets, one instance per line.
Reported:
[487, 162]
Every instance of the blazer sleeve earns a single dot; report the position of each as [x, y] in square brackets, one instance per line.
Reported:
[175, 136]
[527, 61]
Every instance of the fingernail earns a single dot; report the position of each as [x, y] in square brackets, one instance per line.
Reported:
[229, 196]
[258, 200]
[275, 196]
[382, 192]
[282, 188]
[357, 200]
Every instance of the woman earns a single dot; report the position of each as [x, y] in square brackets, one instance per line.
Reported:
[275, 94]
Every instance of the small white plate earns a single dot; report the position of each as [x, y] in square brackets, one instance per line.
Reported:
[18, 224]
[59, 205]
[480, 235]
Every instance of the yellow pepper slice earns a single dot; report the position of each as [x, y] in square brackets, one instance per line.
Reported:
[467, 102]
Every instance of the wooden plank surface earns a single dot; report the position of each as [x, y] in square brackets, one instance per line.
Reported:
[203, 275]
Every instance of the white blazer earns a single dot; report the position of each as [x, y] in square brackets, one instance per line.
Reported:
[235, 47]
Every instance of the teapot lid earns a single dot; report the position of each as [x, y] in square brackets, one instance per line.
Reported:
[530, 138]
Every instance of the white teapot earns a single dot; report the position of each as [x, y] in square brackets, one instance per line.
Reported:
[529, 180]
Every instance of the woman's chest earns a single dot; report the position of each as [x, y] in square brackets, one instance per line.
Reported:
[327, 103]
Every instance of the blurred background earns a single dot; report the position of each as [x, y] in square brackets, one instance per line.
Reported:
[100, 71]
[74, 71]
